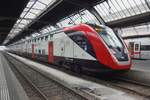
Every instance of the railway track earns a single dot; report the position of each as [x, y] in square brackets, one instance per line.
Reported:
[32, 91]
[132, 87]
[139, 88]
[43, 88]
[119, 82]
[124, 84]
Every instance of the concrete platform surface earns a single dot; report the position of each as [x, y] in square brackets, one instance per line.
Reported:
[140, 72]
[143, 65]
[99, 91]
[10, 88]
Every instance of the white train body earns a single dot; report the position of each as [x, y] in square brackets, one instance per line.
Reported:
[86, 47]
[139, 47]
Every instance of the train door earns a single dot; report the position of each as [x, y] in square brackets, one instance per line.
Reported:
[131, 49]
[137, 50]
[50, 52]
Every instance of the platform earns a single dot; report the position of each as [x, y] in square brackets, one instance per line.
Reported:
[10, 88]
[143, 65]
[140, 72]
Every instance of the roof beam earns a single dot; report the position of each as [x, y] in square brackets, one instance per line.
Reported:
[148, 5]
[130, 21]
[136, 36]
[93, 11]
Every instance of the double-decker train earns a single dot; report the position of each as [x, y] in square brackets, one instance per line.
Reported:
[81, 47]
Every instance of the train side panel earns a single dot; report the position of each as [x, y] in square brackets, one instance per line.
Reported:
[66, 50]
[63, 46]
[79, 46]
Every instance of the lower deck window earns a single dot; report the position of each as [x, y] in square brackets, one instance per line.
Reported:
[43, 52]
[39, 51]
[145, 47]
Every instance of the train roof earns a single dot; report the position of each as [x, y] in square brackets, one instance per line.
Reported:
[59, 30]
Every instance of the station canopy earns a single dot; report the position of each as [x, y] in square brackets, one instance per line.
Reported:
[9, 13]
[42, 16]
[139, 31]
[33, 9]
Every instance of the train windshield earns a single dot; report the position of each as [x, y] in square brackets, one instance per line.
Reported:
[110, 38]
[113, 42]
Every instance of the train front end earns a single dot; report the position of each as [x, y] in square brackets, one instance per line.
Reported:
[110, 49]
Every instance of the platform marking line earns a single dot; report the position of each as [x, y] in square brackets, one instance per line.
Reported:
[4, 93]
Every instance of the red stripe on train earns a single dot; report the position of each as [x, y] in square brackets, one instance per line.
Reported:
[50, 52]
[137, 52]
[102, 54]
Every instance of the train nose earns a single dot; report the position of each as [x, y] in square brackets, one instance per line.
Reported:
[120, 53]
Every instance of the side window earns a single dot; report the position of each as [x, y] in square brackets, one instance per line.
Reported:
[148, 47]
[145, 47]
[43, 52]
[80, 39]
[39, 51]
[41, 38]
[46, 38]
[136, 47]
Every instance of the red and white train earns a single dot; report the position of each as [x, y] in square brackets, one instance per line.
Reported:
[81, 47]
[139, 47]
